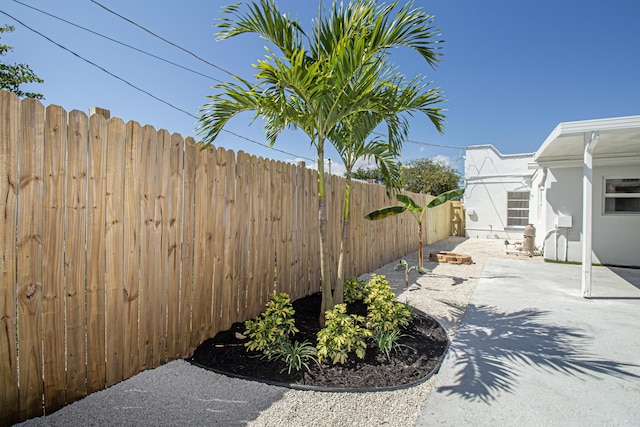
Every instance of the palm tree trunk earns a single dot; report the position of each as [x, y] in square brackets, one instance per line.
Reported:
[338, 293]
[419, 244]
[325, 272]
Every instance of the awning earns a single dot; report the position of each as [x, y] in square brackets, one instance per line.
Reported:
[614, 141]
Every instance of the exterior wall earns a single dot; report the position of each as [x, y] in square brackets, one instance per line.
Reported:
[562, 197]
[489, 175]
[616, 237]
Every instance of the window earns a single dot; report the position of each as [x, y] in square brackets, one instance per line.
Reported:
[622, 195]
[517, 208]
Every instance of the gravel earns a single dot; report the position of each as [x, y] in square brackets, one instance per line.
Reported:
[181, 394]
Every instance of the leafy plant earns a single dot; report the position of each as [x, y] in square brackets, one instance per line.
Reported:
[297, 355]
[384, 311]
[354, 289]
[270, 331]
[408, 204]
[427, 175]
[12, 76]
[404, 265]
[387, 341]
[319, 79]
[343, 333]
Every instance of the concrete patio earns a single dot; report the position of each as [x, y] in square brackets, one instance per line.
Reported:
[531, 352]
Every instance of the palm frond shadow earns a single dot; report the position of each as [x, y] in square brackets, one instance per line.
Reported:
[490, 345]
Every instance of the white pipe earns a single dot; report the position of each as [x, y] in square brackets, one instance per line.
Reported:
[556, 241]
[587, 215]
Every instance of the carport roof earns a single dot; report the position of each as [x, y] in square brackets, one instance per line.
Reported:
[619, 142]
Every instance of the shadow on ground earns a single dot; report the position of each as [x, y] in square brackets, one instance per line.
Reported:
[491, 345]
[631, 275]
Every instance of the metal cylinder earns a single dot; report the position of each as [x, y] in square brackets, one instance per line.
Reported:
[529, 243]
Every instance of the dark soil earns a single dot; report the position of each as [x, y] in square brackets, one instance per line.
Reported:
[421, 350]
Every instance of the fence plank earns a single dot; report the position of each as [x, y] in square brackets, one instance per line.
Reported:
[295, 244]
[174, 250]
[229, 295]
[267, 250]
[131, 243]
[185, 346]
[75, 258]
[9, 139]
[202, 273]
[30, 257]
[161, 231]
[96, 259]
[114, 249]
[149, 249]
[53, 284]
[243, 218]
[255, 235]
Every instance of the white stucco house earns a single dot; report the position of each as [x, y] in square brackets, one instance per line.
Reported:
[580, 190]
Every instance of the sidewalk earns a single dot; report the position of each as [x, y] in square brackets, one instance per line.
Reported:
[531, 352]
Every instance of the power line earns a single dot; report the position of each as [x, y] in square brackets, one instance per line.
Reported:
[429, 144]
[117, 41]
[185, 68]
[163, 39]
[142, 90]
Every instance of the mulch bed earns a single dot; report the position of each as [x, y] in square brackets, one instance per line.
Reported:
[422, 347]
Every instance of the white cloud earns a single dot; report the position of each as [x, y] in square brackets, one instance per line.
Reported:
[334, 167]
[444, 160]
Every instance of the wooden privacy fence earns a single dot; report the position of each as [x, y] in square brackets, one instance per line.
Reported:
[458, 221]
[123, 247]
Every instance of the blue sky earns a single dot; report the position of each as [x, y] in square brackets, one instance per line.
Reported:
[511, 71]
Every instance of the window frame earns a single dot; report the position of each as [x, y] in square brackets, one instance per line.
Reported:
[528, 208]
[613, 196]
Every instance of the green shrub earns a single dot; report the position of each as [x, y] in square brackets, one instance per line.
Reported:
[269, 332]
[297, 355]
[384, 311]
[354, 289]
[343, 333]
[386, 341]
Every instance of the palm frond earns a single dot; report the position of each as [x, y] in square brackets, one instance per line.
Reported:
[266, 20]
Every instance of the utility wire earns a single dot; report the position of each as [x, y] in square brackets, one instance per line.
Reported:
[142, 90]
[117, 41]
[163, 39]
[458, 147]
[185, 68]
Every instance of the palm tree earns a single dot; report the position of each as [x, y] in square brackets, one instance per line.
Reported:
[350, 140]
[409, 205]
[315, 82]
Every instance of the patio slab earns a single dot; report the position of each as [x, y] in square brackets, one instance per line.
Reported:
[531, 352]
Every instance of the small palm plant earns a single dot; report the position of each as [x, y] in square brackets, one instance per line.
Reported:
[418, 211]
[404, 265]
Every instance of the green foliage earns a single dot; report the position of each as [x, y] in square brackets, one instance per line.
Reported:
[369, 174]
[336, 75]
[12, 76]
[270, 331]
[404, 265]
[384, 312]
[297, 355]
[385, 212]
[354, 289]
[387, 341]
[417, 211]
[342, 334]
[428, 176]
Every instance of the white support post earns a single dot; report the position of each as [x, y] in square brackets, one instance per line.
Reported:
[590, 142]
